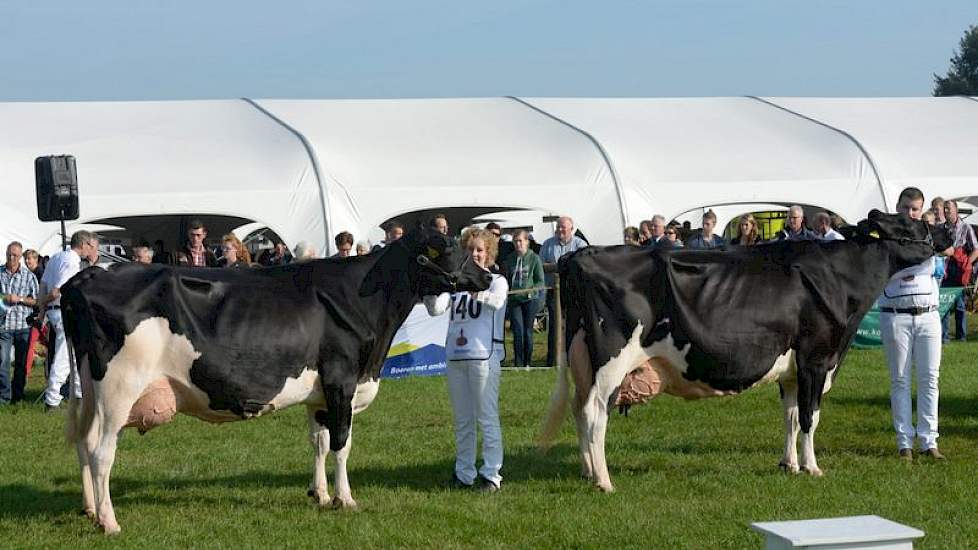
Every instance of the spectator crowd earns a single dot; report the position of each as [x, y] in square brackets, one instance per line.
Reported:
[30, 283]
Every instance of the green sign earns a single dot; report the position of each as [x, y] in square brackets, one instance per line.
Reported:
[868, 335]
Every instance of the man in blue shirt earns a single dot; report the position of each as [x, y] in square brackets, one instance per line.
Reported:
[706, 240]
[563, 242]
[19, 289]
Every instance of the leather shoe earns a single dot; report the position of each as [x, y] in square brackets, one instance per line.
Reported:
[906, 454]
[935, 454]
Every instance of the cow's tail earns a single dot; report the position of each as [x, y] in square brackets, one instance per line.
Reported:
[81, 412]
[559, 397]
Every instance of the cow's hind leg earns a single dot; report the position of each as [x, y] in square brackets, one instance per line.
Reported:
[111, 415]
[789, 404]
[596, 409]
[319, 437]
[580, 370]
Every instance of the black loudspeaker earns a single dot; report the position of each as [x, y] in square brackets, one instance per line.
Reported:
[57, 188]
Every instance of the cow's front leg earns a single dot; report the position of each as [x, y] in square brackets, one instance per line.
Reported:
[789, 404]
[319, 437]
[808, 463]
[343, 498]
[811, 384]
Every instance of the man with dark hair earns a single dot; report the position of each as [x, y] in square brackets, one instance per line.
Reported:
[910, 328]
[344, 244]
[823, 228]
[195, 253]
[440, 222]
[19, 289]
[63, 266]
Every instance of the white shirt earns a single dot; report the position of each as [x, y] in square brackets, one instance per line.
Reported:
[911, 287]
[61, 267]
[831, 235]
[476, 328]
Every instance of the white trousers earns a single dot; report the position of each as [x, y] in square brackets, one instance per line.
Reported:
[61, 369]
[913, 340]
[473, 387]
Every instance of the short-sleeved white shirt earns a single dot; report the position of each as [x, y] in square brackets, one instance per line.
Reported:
[61, 267]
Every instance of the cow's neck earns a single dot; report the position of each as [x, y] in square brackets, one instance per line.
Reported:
[391, 297]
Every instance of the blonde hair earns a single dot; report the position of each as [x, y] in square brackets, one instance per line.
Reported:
[487, 237]
[751, 237]
[239, 247]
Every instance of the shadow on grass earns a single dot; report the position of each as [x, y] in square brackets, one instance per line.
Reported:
[522, 464]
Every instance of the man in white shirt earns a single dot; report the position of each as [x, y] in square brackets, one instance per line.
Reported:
[63, 266]
[823, 228]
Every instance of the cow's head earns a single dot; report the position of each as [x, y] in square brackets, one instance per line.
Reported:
[907, 241]
[442, 264]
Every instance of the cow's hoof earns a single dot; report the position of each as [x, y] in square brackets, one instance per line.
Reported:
[110, 529]
[319, 497]
[605, 487]
[813, 471]
[587, 474]
[789, 468]
[88, 513]
[344, 503]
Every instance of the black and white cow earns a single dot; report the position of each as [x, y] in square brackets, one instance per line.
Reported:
[702, 323]
[233, 344]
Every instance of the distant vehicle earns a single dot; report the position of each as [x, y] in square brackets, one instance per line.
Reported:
[105, 259]
[114, 249]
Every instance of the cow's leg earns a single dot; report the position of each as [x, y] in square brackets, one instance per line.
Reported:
[580, 365]
[596, 410]
[811, 383]
[789, 404]
[343, 498]
[808, 462]
[319, 437]
[112, 413]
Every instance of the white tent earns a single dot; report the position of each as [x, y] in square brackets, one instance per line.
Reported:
[148, 158]
[309, 169]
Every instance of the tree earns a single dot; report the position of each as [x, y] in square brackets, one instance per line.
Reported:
[962, 77]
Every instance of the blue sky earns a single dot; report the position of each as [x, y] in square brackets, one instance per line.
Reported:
[326, 49]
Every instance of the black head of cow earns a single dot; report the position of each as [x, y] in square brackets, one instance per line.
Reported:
[907, 241]
[442, 264]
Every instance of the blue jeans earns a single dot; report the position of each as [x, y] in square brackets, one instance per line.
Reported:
[19, 339]
[960, 321]
[521, 316]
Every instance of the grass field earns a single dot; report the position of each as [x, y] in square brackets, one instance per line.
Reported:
[689, 474]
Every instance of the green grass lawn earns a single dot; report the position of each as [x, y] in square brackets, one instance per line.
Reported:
[688, 474]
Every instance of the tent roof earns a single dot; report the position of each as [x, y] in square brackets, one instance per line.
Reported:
[174, 157]
[311, 168]
[674, 155]
[381, 158]
[930, 143]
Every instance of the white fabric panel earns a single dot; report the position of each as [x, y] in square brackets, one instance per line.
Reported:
[673, 155]
[143, 158]
[925, 142]
[383, 158]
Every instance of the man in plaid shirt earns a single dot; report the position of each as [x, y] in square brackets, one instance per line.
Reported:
[19, 288]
